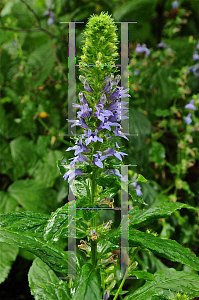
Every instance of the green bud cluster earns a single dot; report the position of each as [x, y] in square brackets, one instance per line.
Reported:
[100, 46]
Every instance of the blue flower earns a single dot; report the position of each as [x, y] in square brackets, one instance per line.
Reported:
[191, 105]
[106, 295]
[195, 55]
[188, 119]
[79, 122]
[72, 173]
[111, 152]
[161, 45]
[87, 87]
[80, 158]
[51, 18]
[174, 4]
[138, 190]
[98, 160]
[141, 49]
[114, 172]
[80, 147]
[82, 98]
[92, 137]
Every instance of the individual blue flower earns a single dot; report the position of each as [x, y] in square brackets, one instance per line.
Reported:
[191, 105]
[118, 132]
[80, 158]
[51, 15]
[141, 49]
[188, 119]
[72, 173]
[114, 172]
[106, 295]
[80, 147]
[175, 4]
[195, 55]
[85, 111]
[194, 69]
[138, 190]
[106, 124]
[161, 45]
[92, 137]
[101, 102]
[98, 159]
[102, 113]
[82, 98]
[107, 87]
[79, 122]
[87, 87]
[111, 152]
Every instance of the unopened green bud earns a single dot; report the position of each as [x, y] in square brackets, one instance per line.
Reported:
[133, 266]
[112, 285]
[110, 277]
[109, 269]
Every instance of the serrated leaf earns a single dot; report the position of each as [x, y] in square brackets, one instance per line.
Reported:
[166, 248]
[8, 255]
[61, 225]
[7, 203]
[44, 284]
[139, 218]
[90, 284]
[27, 223]
[89, 214]
[167, 281]
[136, 198]
[142, 275]
[53, 256]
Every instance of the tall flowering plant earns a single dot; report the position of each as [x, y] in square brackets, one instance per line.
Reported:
[94, 177]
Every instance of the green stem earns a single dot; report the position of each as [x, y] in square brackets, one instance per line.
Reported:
[93, 221]
[126, 273]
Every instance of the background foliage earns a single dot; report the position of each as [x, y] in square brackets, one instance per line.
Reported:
[34, 104]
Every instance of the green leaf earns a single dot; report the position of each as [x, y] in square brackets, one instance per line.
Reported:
[143, 275]
[46, 171]
[25, 223]
[53, 256]
[8, 255]
[44, 284]
[167, 281]
[31, 195]
[139, 218]
[23, 155]
[90, 284]
[136, 198]
[58, 225]
[7, 203]
[104, 246]
[141, 178]
[163, 247]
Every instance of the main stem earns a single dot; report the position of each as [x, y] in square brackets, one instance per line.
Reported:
[93, 221]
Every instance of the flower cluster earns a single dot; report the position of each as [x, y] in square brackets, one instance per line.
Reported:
[190, 106]
[101, 124]
[195, 68]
